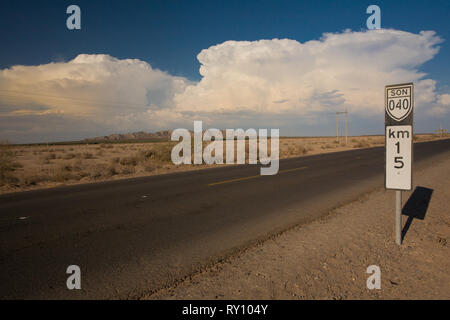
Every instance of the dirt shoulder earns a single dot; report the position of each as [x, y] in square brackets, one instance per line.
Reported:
[328, 258]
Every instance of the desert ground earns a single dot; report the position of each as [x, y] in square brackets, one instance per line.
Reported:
[328, 258]
[30, 167]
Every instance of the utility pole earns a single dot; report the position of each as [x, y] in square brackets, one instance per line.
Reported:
[337, 127]
[346, 125]
[441, 131]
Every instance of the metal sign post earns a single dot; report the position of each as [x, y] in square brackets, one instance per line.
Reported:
[399, 111]
[398, 217]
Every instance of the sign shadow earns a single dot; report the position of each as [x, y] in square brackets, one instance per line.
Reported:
[416, 207]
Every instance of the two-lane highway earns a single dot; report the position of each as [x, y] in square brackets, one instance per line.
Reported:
[133, 236]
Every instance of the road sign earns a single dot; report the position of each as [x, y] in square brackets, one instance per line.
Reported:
[399, 111]
[398, 157]
[399, 107]
[399, 101]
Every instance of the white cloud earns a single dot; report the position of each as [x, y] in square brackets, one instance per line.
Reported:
[257, 83]
[344, 70]
[442, 107]
[444, 99]
[100, 88]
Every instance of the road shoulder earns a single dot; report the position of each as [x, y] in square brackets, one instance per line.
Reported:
[328, 258]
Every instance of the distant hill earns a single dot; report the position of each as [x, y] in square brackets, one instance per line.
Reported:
[135, 136]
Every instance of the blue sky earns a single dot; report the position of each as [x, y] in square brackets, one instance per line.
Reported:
[169, 35]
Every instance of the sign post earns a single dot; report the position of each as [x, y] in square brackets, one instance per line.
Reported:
[399, 112]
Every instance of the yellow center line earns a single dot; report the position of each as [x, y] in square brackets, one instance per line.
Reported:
[252, 177]
[290, 170]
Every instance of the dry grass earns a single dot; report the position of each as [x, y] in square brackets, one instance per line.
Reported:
[8, 165]
[31, 167]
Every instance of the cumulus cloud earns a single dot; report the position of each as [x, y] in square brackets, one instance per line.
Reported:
[341, 70]
[442, 106]
[244, 83]
[444, 99]
[119, 94]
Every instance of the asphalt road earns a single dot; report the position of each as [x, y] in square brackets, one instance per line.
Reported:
[133, 236]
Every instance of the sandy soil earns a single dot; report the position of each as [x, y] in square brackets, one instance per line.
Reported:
[36, 167]
[328, 258]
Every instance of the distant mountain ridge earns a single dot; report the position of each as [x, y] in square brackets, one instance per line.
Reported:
[141, 135]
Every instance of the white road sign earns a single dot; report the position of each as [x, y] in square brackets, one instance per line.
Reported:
[399, 157]
[398, 120]
[399, 102]
[399, 135]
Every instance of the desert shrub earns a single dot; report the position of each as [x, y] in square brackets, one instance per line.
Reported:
[300, 149]
[50, 156]
[291, 150]
[69, 156]
[87, 155]
[7, 165]
[129, 161]
[112, 170]
[158, 151]
[149, 166]
[106, 146]
[62, 172]
[378, 141]
[361, 144]
[97, 171]
[327, 146]
[32, 180]
[76, 165]
[17, 165]
[9, 179]
[127, 170]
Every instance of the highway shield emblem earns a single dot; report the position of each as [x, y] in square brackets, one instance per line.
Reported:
[399, 102]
